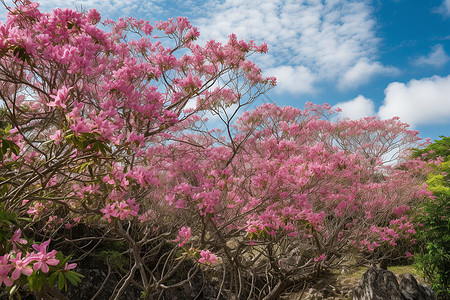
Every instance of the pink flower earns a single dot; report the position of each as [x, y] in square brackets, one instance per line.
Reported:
[4, 270]
[70, 266]
[320, 258]
[21, 266]
[61, 96]
[56, 137]
[183, 236]
[80, 126]
[15, 240]
[43, 258]
[35, 209]
[207, 258]
[109, 211]
[42, 247]
[122, 209]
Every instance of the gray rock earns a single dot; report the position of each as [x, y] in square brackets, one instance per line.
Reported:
[378, 285]
[415, 291]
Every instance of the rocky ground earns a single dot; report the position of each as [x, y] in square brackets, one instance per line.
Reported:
[340, 286]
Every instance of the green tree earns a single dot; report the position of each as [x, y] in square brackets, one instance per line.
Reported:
[434, 259]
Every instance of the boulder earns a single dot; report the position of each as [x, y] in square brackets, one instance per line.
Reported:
[413, 290]
[378, 284]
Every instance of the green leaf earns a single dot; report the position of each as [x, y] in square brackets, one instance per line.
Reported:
[73, 277]
[5, 145]
[52, 278]
[59, 256]
[61, 281]
[102, 149]
[14, 148]
[91, 172]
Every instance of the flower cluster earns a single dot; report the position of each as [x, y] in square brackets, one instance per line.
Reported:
[17, 263]
[183, 236]
[207, 258]
[120, 209]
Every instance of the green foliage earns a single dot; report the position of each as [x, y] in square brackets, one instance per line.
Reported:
[92, 139]
[117, 260]
[62, 275]
[7, 219]
[7, 146]
[438, 148]
[434, 231]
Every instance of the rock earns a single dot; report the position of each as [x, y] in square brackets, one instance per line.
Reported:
[415, 291]
[378, 285]
[383, 285]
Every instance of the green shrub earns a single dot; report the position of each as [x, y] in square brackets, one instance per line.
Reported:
[434, 224]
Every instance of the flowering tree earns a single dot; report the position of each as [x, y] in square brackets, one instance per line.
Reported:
[81, 108]
[105, 142]
[289, 193]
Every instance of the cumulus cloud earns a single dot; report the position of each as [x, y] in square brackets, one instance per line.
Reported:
[328, 38]
[298, 79]
[423, 101]
[111, 9]
[436, 58]
[356, 108]
[322, 41]
[363, 71]
[444, 9]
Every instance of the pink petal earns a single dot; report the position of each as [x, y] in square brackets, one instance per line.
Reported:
[15, 274]
[52, 262]
[27, 271]
[44, 268]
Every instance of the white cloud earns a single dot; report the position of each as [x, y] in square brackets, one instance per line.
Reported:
[297, 79]
[320, 40]
[444, 8]
[107, 8]
[329, 38]
[424, 101]
[363, 71]
[356, 108]
[436, 58]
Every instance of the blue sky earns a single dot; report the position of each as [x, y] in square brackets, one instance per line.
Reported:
[369, 57]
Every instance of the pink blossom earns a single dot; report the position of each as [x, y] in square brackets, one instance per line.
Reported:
[68, 266]
[60, 98]
[35, 209]
[320, 258]
[120, 209]
[4, 270]
[80, 126]
[21, 266]
[16, 237]
[56, 137]
[207, 258]
[109, 211]
[43, 258]
[41, 247]
[148, 215]
[183, 236]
